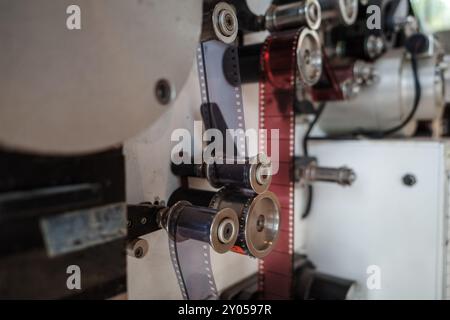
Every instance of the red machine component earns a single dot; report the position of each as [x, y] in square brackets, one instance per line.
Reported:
[336, 81]
[341, 79]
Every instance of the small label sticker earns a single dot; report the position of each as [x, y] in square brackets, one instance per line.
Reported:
[77, 230]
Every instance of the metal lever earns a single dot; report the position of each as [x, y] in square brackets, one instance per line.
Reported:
[142, 220]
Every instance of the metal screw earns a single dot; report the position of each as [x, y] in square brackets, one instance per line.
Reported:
[139, 252]
[163, 92]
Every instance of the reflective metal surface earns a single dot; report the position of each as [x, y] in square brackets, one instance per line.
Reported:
[389, 99]
[262, 223]
[309, 57]
[192, 230]
[303, 13]
[340, 11]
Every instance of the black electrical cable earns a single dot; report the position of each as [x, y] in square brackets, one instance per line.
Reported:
[417, 97]
[308, 202]
[306, 154]
[307, 137]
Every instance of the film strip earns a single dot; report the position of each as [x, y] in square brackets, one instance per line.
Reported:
[192, 264]
[222, 108]
[192, 231]
[220, 84]
[281, 72]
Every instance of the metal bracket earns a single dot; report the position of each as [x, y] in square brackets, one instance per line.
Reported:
[142, 219]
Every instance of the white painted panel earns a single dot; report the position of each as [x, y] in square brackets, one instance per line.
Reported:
[379, 221]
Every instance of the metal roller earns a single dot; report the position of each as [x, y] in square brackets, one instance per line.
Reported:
[250, 63]
[339, 11]
[218, 228]
[255, 174]
[220, 22]
[259, 216]
[192, 231]
[293, 15]
[308, 53]
[309, 57]
[259, 220]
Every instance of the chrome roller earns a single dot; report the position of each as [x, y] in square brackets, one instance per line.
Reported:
[259, 220]
[218, 228]
[303, 13]
[309, 57]
[340, 11]
[192, 231]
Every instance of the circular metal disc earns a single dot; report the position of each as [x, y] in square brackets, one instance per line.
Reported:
[225, 22]
[309, 57]
[76, 91]
[262, 224]
[313, 14]
[349, 11]
[224, 215]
